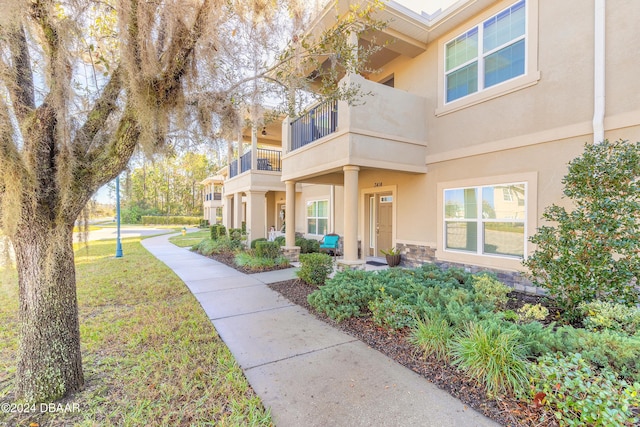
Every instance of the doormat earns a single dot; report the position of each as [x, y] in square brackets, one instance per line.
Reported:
[376, 263]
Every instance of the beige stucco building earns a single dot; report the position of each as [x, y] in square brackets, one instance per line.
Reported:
[473, 116]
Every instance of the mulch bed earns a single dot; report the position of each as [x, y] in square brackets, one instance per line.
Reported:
[504, 410]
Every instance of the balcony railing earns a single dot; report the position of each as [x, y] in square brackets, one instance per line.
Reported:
[245, 162]
[320, 121]
[269, 160]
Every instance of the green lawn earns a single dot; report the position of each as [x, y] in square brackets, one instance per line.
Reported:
[151, 356]
[190, 239]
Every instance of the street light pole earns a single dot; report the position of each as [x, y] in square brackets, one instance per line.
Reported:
[118, 242]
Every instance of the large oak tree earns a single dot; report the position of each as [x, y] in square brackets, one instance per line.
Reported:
[84, 84]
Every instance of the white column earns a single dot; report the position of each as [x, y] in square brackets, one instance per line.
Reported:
[237, 210]
[256, 214]
[227, 212]
[290, 214]
[350, 213]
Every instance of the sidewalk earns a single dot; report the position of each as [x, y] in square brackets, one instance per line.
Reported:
[307, 372]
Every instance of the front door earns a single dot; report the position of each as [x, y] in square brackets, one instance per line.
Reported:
[384, 225]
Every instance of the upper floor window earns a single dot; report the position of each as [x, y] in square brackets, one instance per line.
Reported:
[487, 54]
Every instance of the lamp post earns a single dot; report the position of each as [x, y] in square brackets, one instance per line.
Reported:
[118, 242]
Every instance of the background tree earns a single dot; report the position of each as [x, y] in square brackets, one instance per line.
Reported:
[84, 84]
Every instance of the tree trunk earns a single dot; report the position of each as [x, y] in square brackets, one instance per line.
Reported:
[49, 359]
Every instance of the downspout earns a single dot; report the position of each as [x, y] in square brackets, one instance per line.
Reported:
[599, 72]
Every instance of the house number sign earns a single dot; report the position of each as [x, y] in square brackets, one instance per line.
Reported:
[377, 184]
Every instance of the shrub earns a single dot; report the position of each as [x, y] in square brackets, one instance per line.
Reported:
[267, 249]
[218, 231]
[392, 313]
[605, 349]
[493, 356]
[209, 246]
[258, 263]
[236, 234]
[432, 335]
[253, 242]
[529, 313]
[489, 291]
[346, 295]
[315, 268]
[280, 240]
[204, 223]
[578, 395]
[307, 246]
[592, 252]
[169, 220]
[601, 315]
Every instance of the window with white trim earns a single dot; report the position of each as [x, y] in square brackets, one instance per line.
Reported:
[487, 54]
[318, 217]
[486, 220]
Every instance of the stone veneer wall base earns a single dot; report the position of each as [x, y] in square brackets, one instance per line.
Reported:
[417, 255]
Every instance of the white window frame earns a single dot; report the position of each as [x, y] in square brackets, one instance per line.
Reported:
[531, 74]
[481, 55]
[316, 218]
[481, 221]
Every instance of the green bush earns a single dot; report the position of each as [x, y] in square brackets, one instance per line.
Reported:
[579, 395]
[221, 245]
[267, 249]
[258, 263]
[601, 315]
[605, 349]
[236, 234]
[170, 220]
[307, 246]
[280, 240]
[218, 231]
[392, 313]
[204, 223]
[489, 291]
[315, 268]
[592, 251]
[346, 295]
[253, 242]
[432, 335]
[494, 356]
[532, 312]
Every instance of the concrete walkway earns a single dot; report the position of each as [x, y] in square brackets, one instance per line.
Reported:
[307, 372]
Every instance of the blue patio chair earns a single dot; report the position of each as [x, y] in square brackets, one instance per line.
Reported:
[329, 244]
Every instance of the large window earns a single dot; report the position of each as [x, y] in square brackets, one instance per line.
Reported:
[318, 217]
[488, 54]
[487, 220]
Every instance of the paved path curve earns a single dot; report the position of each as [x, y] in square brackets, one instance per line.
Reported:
[307, 372]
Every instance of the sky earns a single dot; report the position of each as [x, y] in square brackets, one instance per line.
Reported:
[428, 6]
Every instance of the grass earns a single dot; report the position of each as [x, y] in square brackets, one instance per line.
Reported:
[150, 355]
[190, 239]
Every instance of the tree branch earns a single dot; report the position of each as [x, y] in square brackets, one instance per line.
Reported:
[22, 90]
[99, 114]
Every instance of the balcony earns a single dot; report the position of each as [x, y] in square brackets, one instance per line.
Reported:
[385, 129]
[264, 176]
